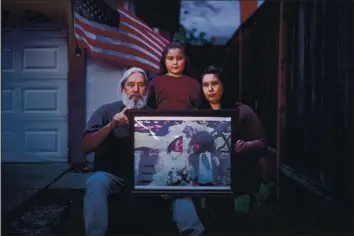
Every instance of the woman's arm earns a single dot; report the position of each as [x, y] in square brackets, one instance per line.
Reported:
[256, 144]
[253, 132]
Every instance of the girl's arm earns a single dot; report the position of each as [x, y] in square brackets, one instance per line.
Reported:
[151, 102]
[197, 96]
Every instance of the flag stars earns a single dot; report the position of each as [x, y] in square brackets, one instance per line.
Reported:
[98, 11]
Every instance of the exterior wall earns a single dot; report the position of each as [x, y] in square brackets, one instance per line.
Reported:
[102, 77]
[23, 181]
[101, 83]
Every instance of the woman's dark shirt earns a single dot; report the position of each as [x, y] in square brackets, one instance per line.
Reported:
[246, 169]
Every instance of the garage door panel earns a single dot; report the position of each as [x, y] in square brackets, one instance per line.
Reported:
[44, 57]
[45, 140]
[44, 98]
[31, 98]
[8, 59]
[34, 140]
[10, 141]
[8, 100]
[34, 97]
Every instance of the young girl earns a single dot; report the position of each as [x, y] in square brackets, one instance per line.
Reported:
[173, 89]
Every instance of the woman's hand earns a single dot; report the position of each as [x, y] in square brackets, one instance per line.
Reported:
[241, 146]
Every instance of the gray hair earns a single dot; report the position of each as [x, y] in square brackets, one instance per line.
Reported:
[128, 73]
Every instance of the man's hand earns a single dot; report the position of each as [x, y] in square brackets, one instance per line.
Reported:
[119, 119]
[241, 146]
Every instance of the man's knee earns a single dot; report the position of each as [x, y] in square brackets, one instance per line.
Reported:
[186, 217]
[98, 182]
[183, 208]
[184, 203]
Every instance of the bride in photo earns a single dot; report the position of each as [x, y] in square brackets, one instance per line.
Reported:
[172, 165]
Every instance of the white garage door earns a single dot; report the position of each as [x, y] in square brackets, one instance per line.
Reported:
[34, 96]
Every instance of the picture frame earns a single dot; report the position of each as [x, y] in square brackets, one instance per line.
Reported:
[182, 153]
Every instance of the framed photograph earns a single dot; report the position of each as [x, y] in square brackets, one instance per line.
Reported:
[182, 152]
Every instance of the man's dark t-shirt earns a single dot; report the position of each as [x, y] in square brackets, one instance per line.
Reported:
[170, 93]
[112, 155]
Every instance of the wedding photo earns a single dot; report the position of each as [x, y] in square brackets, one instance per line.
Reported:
[182, 153]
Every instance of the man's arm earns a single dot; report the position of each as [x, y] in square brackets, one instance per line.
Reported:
[92, 140]
[97, 132]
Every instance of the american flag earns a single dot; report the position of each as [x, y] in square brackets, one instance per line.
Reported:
[116, 35]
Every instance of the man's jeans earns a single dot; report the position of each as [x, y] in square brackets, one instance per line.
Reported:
[101, 184]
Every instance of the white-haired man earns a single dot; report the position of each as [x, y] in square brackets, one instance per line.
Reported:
[106, 135]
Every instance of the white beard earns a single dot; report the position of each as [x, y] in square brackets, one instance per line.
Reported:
[130, 102]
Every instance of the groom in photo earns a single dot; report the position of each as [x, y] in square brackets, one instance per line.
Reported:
[206, 168]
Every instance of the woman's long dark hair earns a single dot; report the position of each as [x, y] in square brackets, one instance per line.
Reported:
[173, 45]
[226, 101]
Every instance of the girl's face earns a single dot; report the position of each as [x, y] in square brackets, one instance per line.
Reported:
[175, 62]
[212, 88]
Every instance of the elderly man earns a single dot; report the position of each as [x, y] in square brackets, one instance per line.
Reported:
[107, 136]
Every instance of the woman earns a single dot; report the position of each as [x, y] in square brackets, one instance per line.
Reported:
[173, 159]
[252, 140]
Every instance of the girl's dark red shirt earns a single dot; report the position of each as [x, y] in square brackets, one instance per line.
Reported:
[170, 93]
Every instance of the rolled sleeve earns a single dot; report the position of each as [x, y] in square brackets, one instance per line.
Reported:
[96, 122]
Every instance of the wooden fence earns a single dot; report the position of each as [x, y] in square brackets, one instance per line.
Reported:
[292, 62]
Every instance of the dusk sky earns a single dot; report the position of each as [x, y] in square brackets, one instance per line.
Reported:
[218, 19]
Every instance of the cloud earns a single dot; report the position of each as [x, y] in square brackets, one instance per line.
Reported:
[215, 18]
[218, 19]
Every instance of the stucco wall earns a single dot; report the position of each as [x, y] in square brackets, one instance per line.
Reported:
[102, 80]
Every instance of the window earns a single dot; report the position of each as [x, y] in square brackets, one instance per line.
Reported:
[32, 20]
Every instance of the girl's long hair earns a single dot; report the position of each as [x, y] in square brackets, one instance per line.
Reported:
[173, 45]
